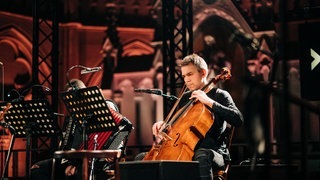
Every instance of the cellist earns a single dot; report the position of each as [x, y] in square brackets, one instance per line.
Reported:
[211, 152]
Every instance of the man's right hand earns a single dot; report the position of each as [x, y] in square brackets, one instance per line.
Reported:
[160, 132]
[70, 170]
[156, 128]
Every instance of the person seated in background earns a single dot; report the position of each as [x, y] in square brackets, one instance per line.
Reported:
[71, 169]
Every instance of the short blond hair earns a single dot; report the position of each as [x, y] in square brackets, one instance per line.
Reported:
[195, 59]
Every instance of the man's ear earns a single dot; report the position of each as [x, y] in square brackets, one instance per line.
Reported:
[203, 72]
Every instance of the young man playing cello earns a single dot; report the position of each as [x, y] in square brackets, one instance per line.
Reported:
[211, 152]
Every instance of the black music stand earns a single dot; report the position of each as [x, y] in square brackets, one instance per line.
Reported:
[31, 117]
[89, 109]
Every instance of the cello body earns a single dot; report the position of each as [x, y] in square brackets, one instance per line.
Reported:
[184, 134]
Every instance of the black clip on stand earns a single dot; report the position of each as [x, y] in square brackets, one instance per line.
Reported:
[90, 110]
[31, 118]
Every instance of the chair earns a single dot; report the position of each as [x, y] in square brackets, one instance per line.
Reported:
[223, 173]
[113, 147]
[85, 155]
[111, 151]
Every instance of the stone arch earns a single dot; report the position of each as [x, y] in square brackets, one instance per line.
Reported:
[219, 21]
[137, 48]
[16, 56]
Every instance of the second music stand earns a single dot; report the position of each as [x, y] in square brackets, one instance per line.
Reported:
[90, 110]
[31, 117]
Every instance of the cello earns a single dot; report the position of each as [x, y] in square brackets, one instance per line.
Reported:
[182, 130]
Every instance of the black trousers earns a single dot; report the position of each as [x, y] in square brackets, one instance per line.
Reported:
[42, 170]
[209, 161]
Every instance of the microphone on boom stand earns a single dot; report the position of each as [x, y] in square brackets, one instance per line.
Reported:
[157, 92]
[90, 70]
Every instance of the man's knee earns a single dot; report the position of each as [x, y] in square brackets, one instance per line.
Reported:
[203, 154]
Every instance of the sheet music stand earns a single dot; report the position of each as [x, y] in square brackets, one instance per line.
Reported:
[31, 117]
[89, 109]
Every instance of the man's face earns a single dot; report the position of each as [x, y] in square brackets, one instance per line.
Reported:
[192, 77]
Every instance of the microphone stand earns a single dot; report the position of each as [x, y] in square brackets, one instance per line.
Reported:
[93, 159]
[67, 74]
[8, 155]
[28, 147]
[84, 71]
[84, 132]
[170, 97]
[157, 92]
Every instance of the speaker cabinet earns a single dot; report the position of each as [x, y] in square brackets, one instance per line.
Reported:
[159, 170]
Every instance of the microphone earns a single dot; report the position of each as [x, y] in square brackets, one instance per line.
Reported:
[95, 138]
[90, 70]
[157, 92]
[95, 142]
[245, 39]
[150, 91]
